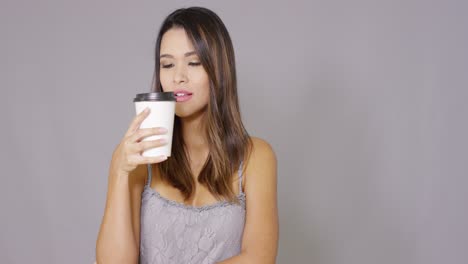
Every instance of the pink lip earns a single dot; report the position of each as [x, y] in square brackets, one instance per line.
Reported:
[183, 98]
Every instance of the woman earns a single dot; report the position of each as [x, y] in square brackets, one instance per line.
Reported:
[214, 200]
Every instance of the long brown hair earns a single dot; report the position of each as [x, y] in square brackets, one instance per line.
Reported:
[228, 140]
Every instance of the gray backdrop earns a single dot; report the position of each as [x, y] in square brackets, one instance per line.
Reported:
[363, 102]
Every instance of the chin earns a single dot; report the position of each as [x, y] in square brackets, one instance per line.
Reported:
[189, 113]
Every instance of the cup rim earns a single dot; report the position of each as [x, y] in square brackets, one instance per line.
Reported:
[155, 96]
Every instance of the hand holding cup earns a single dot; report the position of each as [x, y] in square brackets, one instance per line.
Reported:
[128, 154]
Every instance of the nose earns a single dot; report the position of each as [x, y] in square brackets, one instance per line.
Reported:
[180, 74]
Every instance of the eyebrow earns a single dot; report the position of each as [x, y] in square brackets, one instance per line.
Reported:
[186, 54]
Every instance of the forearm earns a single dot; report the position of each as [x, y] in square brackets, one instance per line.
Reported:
[116, 241]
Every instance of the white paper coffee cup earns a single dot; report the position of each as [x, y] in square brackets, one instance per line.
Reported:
[162, 105]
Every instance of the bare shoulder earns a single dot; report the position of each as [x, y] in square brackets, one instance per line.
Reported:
[262, 162]
[263, 154]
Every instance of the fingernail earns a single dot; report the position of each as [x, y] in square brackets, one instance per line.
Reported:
[163, 130]
[147, 109]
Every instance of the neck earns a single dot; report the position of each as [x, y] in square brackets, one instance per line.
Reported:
[194, 138]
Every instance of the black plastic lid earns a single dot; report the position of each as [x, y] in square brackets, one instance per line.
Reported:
[155, 96]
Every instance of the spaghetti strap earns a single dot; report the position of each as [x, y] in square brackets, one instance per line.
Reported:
[240, 178]
[148, 181]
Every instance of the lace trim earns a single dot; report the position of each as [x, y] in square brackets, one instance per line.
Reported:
[223, 203]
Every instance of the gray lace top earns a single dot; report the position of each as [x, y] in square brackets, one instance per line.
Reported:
[173, 232]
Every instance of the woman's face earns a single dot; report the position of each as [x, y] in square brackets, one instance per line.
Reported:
[182, 71]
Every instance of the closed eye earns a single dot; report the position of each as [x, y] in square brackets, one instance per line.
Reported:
[166, 66]
[194, 63]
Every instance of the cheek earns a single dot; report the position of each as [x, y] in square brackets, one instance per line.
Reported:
[203, 85]
[206, 87]
[201, 79]
[165, 80]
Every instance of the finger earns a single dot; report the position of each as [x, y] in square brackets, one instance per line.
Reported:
[149, 160]
[144, 145]
[137, 120]
[144, 132]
